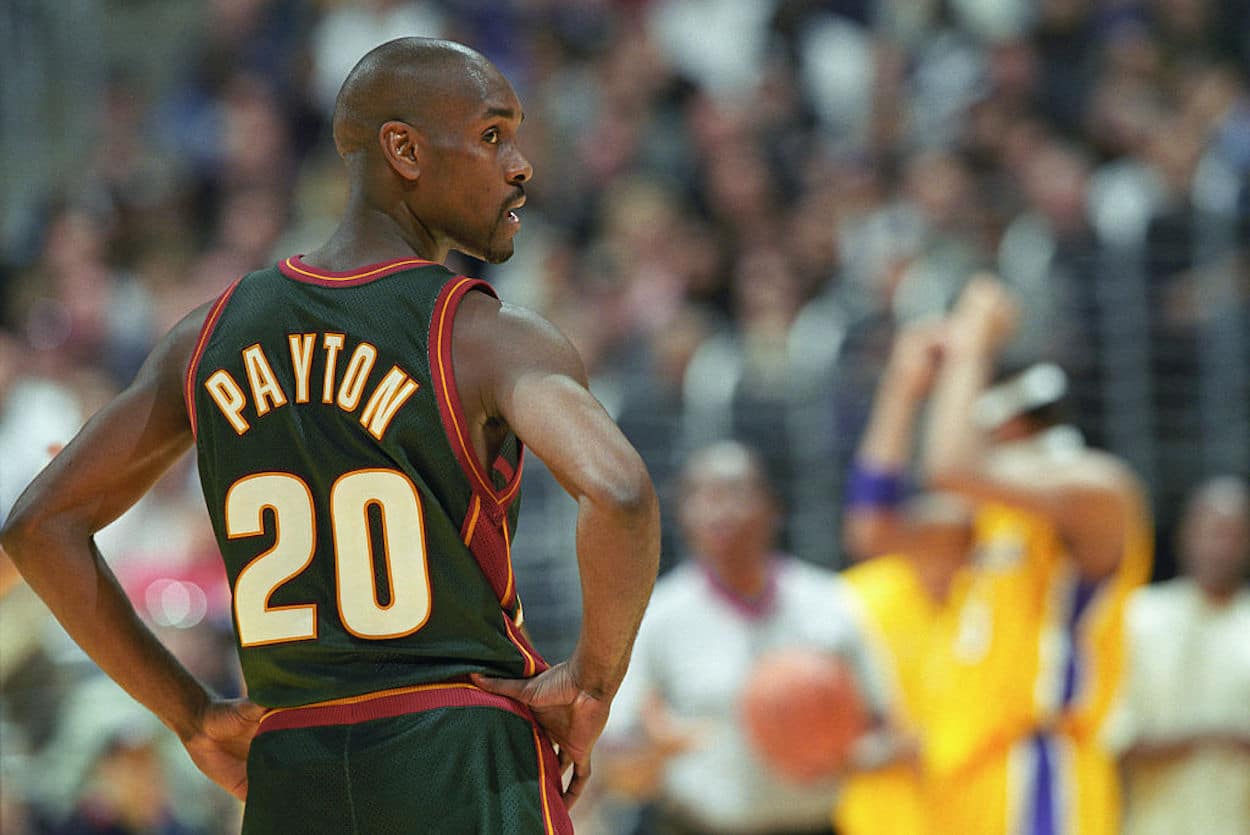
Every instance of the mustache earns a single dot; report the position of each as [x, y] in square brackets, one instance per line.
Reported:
[517, 196]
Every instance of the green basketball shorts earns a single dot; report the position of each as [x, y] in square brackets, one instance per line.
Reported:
[444, 758]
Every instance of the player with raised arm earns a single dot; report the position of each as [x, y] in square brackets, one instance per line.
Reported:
[1061, 535]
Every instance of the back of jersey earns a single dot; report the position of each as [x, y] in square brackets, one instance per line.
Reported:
[366, 546]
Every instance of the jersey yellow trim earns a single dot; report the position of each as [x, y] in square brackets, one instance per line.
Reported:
[471, 528]
[548, 826]
[377, 694]
[510, 586]
[293, 267]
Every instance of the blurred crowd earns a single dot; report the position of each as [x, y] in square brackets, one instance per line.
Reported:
[736, 206]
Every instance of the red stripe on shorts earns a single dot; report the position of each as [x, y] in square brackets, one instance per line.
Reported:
[388, 703]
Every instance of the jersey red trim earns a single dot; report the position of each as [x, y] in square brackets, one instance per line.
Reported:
[485, 527]
[206, 331]
[387, 703]
[447, 395]
[534, 662]
[295, 268]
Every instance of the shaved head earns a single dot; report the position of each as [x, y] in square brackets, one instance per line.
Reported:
[1215, 534]
[412, 80]
[428, 131]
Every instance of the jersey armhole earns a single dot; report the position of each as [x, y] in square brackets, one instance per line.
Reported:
[451, 410]
[206, 331]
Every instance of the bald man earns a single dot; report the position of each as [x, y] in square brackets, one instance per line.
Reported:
[359, 415]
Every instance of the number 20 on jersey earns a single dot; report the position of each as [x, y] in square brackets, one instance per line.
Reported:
[289, 498]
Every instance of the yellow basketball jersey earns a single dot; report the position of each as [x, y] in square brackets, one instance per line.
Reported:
[904, 629]
[1035, 660]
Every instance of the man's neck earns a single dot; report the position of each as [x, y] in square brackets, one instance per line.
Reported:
[370, 235]
[1216, 596]
[748, 580]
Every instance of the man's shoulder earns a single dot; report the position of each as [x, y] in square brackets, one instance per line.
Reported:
[494, 318]
[492, 326]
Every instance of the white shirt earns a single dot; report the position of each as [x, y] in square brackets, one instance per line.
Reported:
[695, 648]
[1189, 673]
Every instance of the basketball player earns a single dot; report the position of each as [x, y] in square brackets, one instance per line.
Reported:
[359, 414]
[1030, 648]
[1061, 535]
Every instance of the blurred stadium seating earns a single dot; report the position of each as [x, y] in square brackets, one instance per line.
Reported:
[734, 206]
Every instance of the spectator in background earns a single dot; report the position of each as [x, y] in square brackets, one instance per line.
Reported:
[675, 732]
[1183, 727]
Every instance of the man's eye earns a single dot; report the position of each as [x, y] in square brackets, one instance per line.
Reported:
[491, 135]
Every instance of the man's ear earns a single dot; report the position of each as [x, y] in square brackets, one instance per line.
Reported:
[400, 148]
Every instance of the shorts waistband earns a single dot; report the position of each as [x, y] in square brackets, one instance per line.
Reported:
[387, 703]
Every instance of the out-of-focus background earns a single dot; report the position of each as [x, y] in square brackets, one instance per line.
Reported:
[735, 205]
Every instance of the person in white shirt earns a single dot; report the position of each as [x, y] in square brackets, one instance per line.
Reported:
[1182, 730]
[675, 733]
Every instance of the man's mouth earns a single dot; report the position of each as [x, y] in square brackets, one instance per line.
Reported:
[510, 208]
[515, 203]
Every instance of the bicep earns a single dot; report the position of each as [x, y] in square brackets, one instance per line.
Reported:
[1088, 497]
[540, 390]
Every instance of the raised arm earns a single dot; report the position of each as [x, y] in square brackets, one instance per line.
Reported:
[529, 376]
[875, 520]
[1091, 497]
[103, 471]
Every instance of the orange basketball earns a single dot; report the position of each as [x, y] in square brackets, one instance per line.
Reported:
[802, 712]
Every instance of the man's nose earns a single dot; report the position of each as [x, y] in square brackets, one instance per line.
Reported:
[520, 170]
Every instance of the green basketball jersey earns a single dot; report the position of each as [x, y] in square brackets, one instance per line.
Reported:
[366, 546]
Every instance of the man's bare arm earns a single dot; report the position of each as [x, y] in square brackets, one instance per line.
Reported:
[1089, 496]
[531, 377]
[103, 471]
[871, 525]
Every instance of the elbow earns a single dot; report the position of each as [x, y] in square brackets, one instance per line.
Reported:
[626, 493]
[943, 479]
[865, 535]
[17, 534]
[633, 495]
[33, 526]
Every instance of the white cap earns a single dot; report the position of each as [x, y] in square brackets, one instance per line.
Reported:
[1038, 385]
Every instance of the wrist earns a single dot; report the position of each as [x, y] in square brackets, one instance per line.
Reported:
[190, 723]
[870, 486]
[592, 679]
